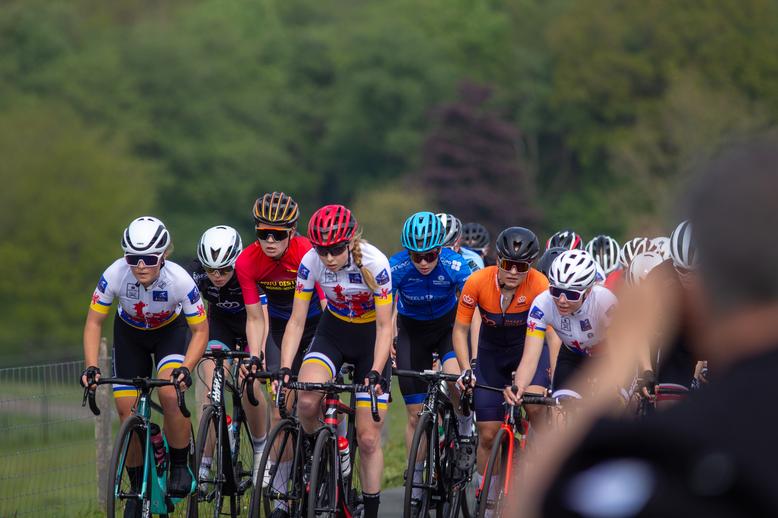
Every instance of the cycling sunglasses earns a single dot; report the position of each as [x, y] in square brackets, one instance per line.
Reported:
[685, 272]
[148, 260]
[428, 256]
[278, 234]
[221, 271]
[570, 295]
[333, 250]
[521, 266]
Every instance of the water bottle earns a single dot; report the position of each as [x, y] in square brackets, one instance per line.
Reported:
[345, 456]
[231, 433]
[157, 445]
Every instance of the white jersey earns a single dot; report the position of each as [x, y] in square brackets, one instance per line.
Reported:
[583, 332]
[348, 296]
[174, 291]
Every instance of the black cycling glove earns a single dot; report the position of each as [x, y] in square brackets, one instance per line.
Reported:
[649, 381]
[375, 378]
[90, 374]
[250, 362]
[282, 373]
[187, 375]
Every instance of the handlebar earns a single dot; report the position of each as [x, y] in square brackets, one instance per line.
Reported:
[139, 383]
[330, 387]
[249, 387]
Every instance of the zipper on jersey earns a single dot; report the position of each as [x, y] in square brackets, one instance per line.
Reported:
[429, 300]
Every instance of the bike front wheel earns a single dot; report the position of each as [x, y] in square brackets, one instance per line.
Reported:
[325, 473]
[502, 466]
[125, 477]
[419, 482]
[284, 485]
[209, 499]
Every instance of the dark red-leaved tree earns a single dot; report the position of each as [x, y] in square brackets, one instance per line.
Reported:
[470, 164]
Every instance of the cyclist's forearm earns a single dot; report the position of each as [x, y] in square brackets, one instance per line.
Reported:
[197, 345]
[294, 332]
[459, 338]
[92, 331]
[255, 328]
[383, 347]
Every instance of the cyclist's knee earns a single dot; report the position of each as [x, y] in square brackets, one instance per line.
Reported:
[369, 441]
[308, 404]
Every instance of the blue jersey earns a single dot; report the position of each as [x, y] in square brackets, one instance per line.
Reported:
[426, 297]
[473, 260]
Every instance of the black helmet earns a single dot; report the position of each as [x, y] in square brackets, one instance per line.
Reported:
[517, 244]
[566, 238]
[475, 236]
[544, 265]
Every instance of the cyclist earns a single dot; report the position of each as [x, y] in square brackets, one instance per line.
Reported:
[153, 293]
[547, 259]
[355, 328]
[425, 281]
[271, 264]
[214, 273]
[476, 238]
[630, 249]
[504, 294]
[661, 245]
[579, 311]
[567, 239]
[453, 241]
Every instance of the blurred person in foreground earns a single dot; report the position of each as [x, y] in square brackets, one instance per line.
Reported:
[715, 455]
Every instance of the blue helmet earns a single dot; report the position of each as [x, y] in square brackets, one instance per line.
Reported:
[423, 231]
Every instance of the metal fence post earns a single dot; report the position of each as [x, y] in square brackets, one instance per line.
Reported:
[103, 436]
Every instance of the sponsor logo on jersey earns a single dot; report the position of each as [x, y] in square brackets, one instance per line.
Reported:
[456, 265]
[200, 310]
[194, 295]
[161, 285]
[159, 296]
[330, 276]
[132, 291]
[355, 278]
[536, 313]
[102, 285]
[589, 335]
[566, 324]
[468, 301]
[299, 288]
[532, 326]
[303, 273]
[441, 281]
[383, 277]
[521, 300]
[585, 325]
[610, 310]
[384, 294]
[229, 304]
[95, 299]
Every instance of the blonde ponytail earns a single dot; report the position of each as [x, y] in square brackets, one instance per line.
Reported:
[356, 252]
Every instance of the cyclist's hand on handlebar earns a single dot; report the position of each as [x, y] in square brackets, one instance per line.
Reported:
[466, 374]
[183, 376]
[513, 394]
[284, 375]
[89, 376]
[377, 381]
[648, 387]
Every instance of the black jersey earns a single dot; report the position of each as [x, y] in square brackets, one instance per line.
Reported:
[225, 301]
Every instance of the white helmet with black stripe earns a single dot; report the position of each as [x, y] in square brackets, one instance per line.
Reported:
[682, 247]
[661, 245]
[641, 266]
[453, 229]
[146, 235]
[606, 252]
[632, 248]
[573, 270]
[219, 247]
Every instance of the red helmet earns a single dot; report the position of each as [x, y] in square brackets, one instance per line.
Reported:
[331, 225]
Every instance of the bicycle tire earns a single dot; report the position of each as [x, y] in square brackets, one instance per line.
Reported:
[422, 436]
[243, 461]
[323, 489]
[284, 435]
[456, 484]
[499, 454]
[209, 500]
[118, 479]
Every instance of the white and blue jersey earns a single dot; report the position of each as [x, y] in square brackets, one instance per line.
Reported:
[473, 260]
[426, 297]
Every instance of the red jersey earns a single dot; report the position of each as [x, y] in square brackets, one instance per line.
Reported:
[277, 277]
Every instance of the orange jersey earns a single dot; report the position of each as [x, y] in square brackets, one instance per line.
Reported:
[498, 329]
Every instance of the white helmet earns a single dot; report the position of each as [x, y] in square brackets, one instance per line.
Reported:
[640, 266]
[633, 248]
[605, 251]
[682, 249]
[661, 245]
[573, 270]
[145, 235]
[453, 228]
[219, 247]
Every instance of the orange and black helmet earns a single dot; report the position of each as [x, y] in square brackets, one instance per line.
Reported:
[276, 209]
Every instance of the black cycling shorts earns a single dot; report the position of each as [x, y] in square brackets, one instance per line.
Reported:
[276, 338]
[133, 349]
[226, 328]
[416, 341]
[337, 342]
[495, 367]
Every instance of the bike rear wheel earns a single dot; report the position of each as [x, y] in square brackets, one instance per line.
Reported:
[325, 473]
[124, 486]
[419, 502]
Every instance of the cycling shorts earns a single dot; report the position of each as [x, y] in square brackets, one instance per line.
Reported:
[133, 349]
[416, 341]
[337, 342]
[495, 367]
[226, 328]
[276, 338]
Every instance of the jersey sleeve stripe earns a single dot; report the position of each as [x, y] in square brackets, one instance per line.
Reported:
[538, 331]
